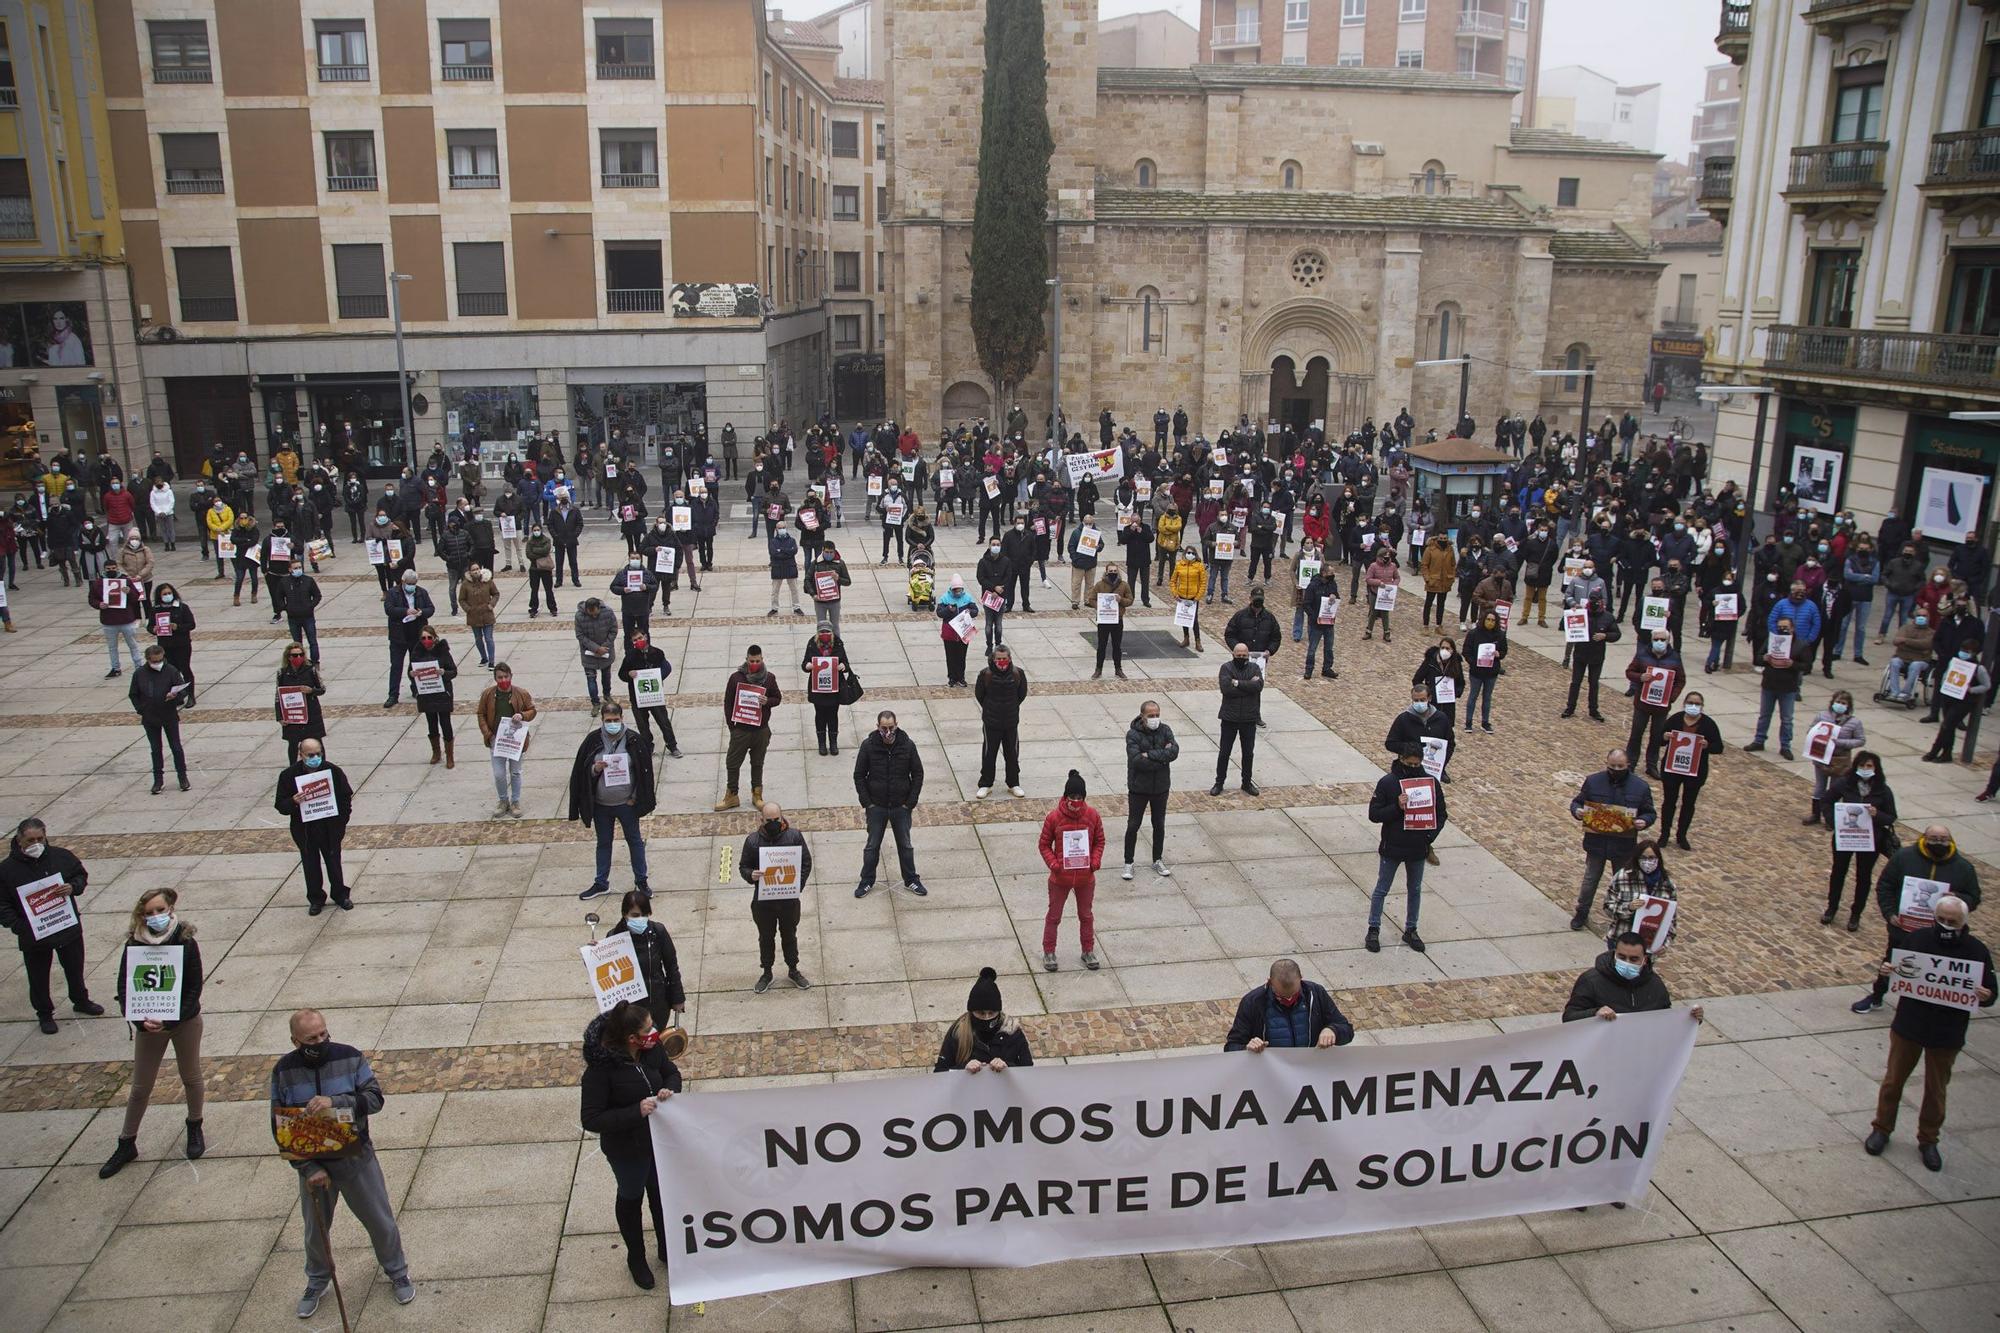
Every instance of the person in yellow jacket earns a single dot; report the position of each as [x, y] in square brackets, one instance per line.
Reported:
[1167, 527]
[1190, 581]
[219, 519]
[1440, 570]
[287, 459]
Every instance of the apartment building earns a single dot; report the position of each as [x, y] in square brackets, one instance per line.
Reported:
[1715, 116]
[1495, 41]
[1152, 39]
[1580, 100]
[1860, 279]
[558, 206]
[68, 364]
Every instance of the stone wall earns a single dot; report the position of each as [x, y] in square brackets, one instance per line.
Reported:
[1609, 309]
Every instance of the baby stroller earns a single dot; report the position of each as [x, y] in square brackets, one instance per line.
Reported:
[923, 581]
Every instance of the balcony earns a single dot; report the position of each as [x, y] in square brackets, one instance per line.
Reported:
[1834, 17]
[631, 180]
[208, 309]
[202, 184]
[624, 69]
[343, 73]
[17, 218]
[1732, 38]
[1963, 163]
[10, 97]
[1844, 174]
[1228, 36]
[1481, 26]
[1929, 361]
[482, 303]
[635, 300]
[466, 73]
[476, 182]
[1717, 187]
[336, 184]
[183, 74]
[375, 306]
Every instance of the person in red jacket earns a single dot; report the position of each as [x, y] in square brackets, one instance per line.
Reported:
[1073, 847]
[119, 512]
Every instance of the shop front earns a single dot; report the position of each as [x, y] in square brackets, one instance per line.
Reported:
[80, 411]
[641, 412]
[19, 449]
[496, 414]
[1815, 446]
[351, 420]
[1948, 484]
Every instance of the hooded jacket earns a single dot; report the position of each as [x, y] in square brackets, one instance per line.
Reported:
[1149, 757]
[613, 1086]
[1602, 987]
[1385, 808]
[17, 870]
[596, 633]
[1915, 861]
[1071, 816]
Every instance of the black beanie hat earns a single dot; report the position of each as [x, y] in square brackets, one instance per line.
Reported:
[985, 994]
[1073, 788]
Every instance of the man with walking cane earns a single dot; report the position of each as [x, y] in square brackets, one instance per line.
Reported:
[322, 1094]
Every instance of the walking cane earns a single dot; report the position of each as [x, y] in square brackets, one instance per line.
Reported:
[332, 1273]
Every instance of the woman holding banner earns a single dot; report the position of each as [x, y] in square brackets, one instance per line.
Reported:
[628, 1071]
[297, 706]
[1692, 737]
[155, 926]
[431, 672]
[829, 684]
[1865, 785]
[983, 1037]
[1644, 876]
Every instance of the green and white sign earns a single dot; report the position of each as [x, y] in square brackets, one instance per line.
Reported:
[154, 975]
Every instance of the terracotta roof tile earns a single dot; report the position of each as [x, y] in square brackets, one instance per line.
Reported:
[1526, 139]
[1597, 245]
[857, 90]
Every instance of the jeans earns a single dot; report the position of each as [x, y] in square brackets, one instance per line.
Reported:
[1385, 875]
[245, 567]
[1784, 703]
[357, 1179]
[507, 778]
[1320, 634]
[1479, 693]
[891, 817]
[1593, 874]
[1859, 619]
[1721, 645]
[1298, 622]
[1899, 606]
[307, 632]
[127, 632]
[482, 638]
[1221, 585]
[1139, 805]
[607, 818]
[598, 680]
[1905, 677]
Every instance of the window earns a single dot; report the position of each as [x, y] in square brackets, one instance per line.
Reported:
[847, 270]
[1410, 59]
[55, 98]
[192, 163]
[467, 45]
[1573, 359]
[10, 94]
[17, 203]
[207, 283]
[624, 48]
[1297, 13]
[1292, 60]
[798, 114]
[784, 101]
[1684, 299]
[632, 278]
[1857, 105]
[845, 138]
[847, 203]
[879, 279]
[1449, 326]
[881, 202]
[1989, 90]
[1413, 11]
[1353, 13]
[1468, 60]
[1517, 72]
[1518, 15]
[482, 277]
[784, 188]
[630, 159]
[350, 160]
[767, 182]
[881, 142]
[1290, 176]
[847, 331]
[1433, 177]
[361, 282]
[180, 51]
[1835, 276]
[343, 50]
[1144, 174]
[1624, 113]
[474, 159]
[1975, 293]
[1348, 60]
[1566, 188]
[767, 94]
[1148, 324]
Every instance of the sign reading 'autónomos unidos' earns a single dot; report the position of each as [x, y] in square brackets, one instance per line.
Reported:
[766, 1191]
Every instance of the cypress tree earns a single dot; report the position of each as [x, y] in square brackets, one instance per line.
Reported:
[1010, 262]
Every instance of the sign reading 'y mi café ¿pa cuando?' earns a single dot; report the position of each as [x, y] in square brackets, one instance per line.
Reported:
[767, 1190]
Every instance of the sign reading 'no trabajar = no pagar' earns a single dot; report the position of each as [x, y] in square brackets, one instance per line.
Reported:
[766, 1191]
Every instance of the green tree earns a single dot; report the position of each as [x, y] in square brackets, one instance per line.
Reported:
[1010, 258]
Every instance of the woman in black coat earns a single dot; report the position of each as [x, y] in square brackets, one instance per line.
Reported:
[1863, 783]
[296, 673]
[172, 627]
[659, 964]
[1442, 663]
[628, 1070]
[1678, 789]
[827, 702]
[983, 1037]
[430, 649]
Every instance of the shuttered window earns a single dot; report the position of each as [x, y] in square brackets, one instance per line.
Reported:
[193, 163]
[360, 279]
[482, 277]
[207, 283]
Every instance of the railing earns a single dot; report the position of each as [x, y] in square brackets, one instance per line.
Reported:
[343, 73]
[1935, 359]
[631, 180]
[624, 69]
[208, 309]
[1964, 157]
[1819, 8]
[1478, 23]
[1718, 178]
[635, 300]
[10, 97]
[183, 74]
[1838, 166]
[467, 73]
[482, 303]
[1235, 34]
[1735, 21]
[363, 307]
[17, 218]
[195, 184]
[476, 182]
[351, 183]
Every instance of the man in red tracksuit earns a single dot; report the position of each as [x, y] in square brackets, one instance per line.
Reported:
[1073, 847]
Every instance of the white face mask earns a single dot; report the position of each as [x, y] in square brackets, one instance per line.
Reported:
[1152, 724]
[33, 851]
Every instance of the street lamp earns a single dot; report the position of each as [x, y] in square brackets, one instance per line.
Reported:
[1464, 364]
[1975, 416]
[402, 373]
[1055, 363]
[1763, 396]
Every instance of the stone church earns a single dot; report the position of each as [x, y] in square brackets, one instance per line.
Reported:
[1273, 241]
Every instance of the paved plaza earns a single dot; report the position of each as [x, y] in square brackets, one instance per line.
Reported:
[457, 970]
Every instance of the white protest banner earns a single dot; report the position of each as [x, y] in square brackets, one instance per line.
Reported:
[1436, 750]
[1219, 456]
[1654, 685]
[909, 469]
[1919, 903]
[154, 974]
[992, 487]
[1819, 741]
[281, 548]
[1853, 827]
[965, 625]
[1417, 537]
[1653, 920]
[945, 477]
[1728, 606]
[875, 485]
[509, 527]
[319, 548]
[1089, 541]
[1097, 466]
[1184, 614]
[510, 738]
[649, 688]
[1030, 1166]
[1576, 626]
[698, 487]
[681, 517]
[1385, 597]
[613, 967]
[1653, 613]
[1225, 545]
[427, 677]
[1108, 610]
[1958, 676]
[292, 708]
[780, 873]
[1486, 654]
[225, 548]
[1142, 489]
[376, 554]
[1444, 690]
[1778, 650]
[1329, 610]
[663, 561]
[394, 547]
[1368, 541]
[46, 909]
[314, 797]
[617, 769]
[1935, 979]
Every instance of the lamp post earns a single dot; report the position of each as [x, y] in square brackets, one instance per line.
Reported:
[1763, 397]
[1055, 362]
[402, 371]
[1464, 364]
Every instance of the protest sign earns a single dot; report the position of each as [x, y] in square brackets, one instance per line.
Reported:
[1728, 606]
[1089, 541]
[1142, 489]
[112, 594]
[1185, 613]
[1035, 1165]
[992, 600]
[314, 796]
[1576, 626]
[964, 625]
[992, 488]
[510, 528]
[225, 548]
[1957, 679]
[292, 708]
[1225, 545]
[1436, 750]
[154, 974]
[663, 561]
[1385, 597]
[747, 707]
[1681, 756]
[1486, 655]
[1108, 610]
[780, 873]
[681, 517]
[1935, 979]
[281, 548]
[394, 549]
[1778, 650]
[1308, 571]
[1076, 849]
[510, 738]
[377, 554]
[1504, 613]
[45, 907]
[824, 675]
[1919, 903]
[1653, 920]
[1653, 613]
[1653, 687]
[1097, 465]
[826, 586]
[617, 768]
[1329, 610]
[649, 688]
[612, 965]
[1853, 827]
[1819, 741]
[427, 677]
[875, 485]
[163, 624]
[1444, 690]
[809, 519]
[1420, 813]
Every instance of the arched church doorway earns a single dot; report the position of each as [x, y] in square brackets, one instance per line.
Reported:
[1298, 399]
[966, 401]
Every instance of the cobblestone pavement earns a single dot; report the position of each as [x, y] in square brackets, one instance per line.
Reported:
[458, 971]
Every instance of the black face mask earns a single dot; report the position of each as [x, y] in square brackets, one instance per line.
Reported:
[314, 1055]
[1616, 774]
[773, 827]
[986, 1028]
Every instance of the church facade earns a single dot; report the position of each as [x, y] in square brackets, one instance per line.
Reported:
[1268, 241]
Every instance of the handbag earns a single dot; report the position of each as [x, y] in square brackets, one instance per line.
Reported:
[850, 687]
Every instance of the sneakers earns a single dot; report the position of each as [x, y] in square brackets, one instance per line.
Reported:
[861, 890]
[309, 1303]
[1016, 790]
[1126, 873]
[502, 810]
[980, 793]
[1049, 963]
[126, 1151]
[594, 891]
[916, 886]
[797, 978]
[762, 984]
[406, 1290]
[1867, 1004]
[1161, 869]
[1090, 960]
[514, 809]
[88, 1008]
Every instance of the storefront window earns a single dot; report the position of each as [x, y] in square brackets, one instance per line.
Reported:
[493, 412]
[1948, 490]
[364, 414]
[642, 412]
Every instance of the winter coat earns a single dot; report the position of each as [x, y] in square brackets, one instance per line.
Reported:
[1189, 580]
[1911, 862]
[136, 562]
[1848, 788]
[583, 782]
[478, 599]
[1439, 565]
[191, 972]
[303, 677]
[649, 658]
[110, 615]
[398, 603]
[1122, 590]
[614, 1084]
[1070, 816]
[1633, 793]
[751, 857]
[1849, 735]
[784, 553]
[1644, 659]
[439, 653]
[1009, 1045]
[1478, 636]
[1000, 695]
[1241, 685]
[286, 800]
[1256, 626]
[17, 870]
[1704, 727]
[1385, 808]
[1601, 986]
[151, 692]
[1434, 665]
[1937, 1026]
[888, 773]
[596, 635]
[487, 713]
[660, 969]
[764, 680]
[1149, 757]
[1321, 1014]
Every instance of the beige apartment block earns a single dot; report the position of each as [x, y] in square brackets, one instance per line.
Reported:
[1213, 257]
[575, 197]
